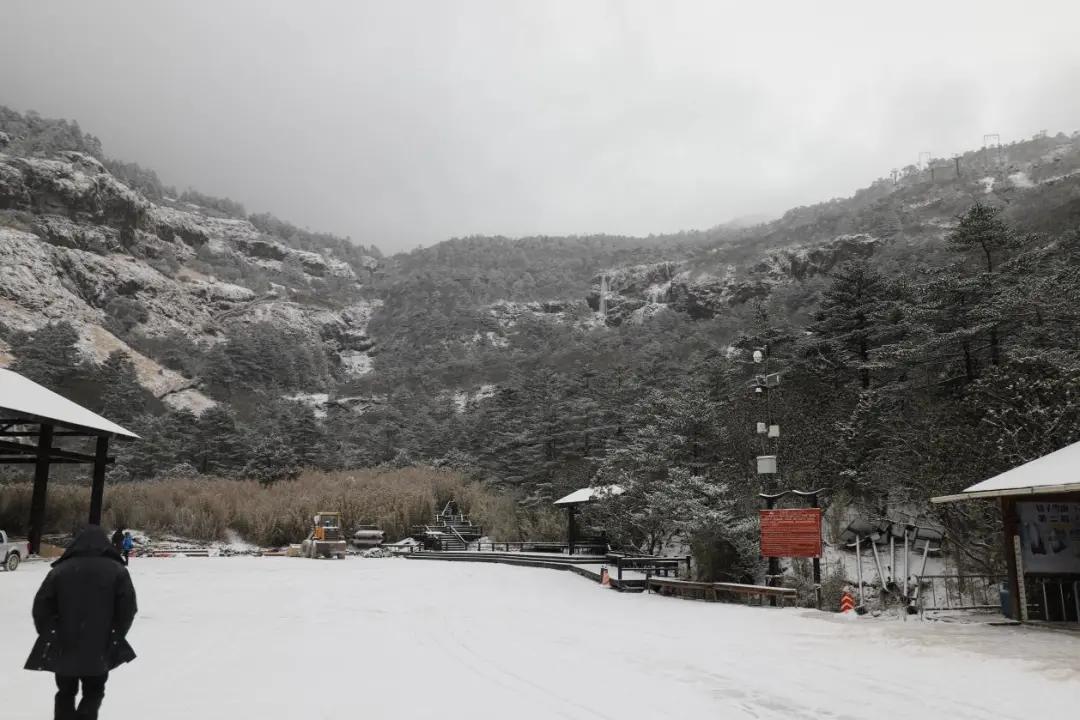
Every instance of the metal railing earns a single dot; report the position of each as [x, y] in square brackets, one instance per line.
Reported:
[959, 592]
[649, 565]
[542, 546]
[447, 529]
[464, 542]
[1053, 598]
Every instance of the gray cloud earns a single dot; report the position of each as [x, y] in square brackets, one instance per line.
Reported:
[406, 123]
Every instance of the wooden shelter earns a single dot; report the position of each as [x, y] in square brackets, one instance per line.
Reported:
[1040, 505]
[580, 497]
[35, 425]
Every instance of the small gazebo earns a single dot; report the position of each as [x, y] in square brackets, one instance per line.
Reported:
[32, 421]
[581, 497]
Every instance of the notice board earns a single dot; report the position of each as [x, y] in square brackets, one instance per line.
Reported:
[791, 533]
[1050, 536]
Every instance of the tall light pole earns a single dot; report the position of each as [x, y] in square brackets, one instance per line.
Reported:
[764, 383]
[767, 465]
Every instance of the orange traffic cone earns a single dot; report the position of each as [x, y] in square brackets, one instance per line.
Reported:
[847, 603]
[604, 579]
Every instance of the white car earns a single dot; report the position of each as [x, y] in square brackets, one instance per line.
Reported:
[11, 553]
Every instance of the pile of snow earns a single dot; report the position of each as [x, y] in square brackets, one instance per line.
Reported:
[235, 545]
[376, 552]
[1021, 180]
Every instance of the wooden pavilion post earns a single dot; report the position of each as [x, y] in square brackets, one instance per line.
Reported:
[97, 490]
[1011, 528]
[41, 484]
[571, 531]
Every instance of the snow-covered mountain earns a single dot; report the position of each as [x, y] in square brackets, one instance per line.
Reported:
[77, 244]
[134, 268]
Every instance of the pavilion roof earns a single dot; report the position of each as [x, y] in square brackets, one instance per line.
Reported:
[23, 399]
[1057, 472]
[589, 494]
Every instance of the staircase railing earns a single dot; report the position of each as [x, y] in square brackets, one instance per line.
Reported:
[459, 536]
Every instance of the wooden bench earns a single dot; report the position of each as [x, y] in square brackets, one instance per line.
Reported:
[707, 591]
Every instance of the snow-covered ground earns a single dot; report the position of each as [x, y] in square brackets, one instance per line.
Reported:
[282, 639]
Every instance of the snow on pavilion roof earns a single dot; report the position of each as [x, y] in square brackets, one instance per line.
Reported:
[1054, 473]
[589, 494]
[25, 398]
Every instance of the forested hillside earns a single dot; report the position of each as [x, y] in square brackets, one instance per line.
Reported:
[925, 332]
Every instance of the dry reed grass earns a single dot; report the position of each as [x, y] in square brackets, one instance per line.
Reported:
[204, 509]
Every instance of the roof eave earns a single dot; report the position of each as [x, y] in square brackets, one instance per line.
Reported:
[32, 419]
[1008, 492]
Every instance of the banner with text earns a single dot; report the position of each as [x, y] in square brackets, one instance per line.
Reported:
[791, 533]
[1050, 536]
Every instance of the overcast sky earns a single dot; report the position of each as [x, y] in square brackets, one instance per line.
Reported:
[406, 123]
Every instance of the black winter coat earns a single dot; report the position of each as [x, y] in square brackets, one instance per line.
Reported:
[83, 610]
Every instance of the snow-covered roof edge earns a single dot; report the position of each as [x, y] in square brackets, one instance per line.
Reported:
[1057, 472]
[23, 396]
[589, 494]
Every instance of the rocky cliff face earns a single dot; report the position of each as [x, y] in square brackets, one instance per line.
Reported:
[634, 294]
[74, 239]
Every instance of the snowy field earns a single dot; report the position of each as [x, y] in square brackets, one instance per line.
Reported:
[284, 639]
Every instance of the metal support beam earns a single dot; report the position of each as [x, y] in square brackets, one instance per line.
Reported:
[858, 567]
[41, 484]
[907, 563]
[97, 489]
[774, 562]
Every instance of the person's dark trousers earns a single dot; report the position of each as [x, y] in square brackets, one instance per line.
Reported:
[126, 559]
[93, 692]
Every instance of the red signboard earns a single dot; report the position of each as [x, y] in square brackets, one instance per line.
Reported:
[791, 533]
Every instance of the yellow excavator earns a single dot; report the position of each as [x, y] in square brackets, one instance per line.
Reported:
[326, 538]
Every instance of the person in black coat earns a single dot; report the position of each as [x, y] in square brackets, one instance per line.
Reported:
[118, 539]
[82, 614]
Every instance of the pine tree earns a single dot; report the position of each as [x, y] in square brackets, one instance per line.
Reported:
[303, 431]
[849, 323]
[942, 331]
[982, 231]
[48, 355]
[122, 397]
[219, 447]
[166, 441]
[271, 460]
